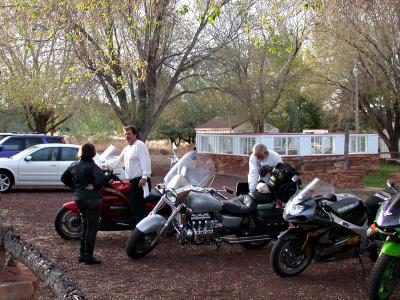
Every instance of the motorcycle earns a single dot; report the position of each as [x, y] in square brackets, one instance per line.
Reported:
[204, 215]
[115, 209]
[385, 274]
[327, 227]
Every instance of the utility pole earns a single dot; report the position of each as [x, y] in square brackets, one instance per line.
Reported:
[356, 72]
[346, 146]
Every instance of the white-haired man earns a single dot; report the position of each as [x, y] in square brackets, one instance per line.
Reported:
[261, 162]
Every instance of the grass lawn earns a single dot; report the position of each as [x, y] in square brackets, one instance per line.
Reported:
[379, 179]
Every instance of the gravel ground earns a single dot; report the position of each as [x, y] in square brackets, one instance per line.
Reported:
[172, 271]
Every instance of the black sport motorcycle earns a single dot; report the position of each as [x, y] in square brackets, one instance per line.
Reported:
[327, 227]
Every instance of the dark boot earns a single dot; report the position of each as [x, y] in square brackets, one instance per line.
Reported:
[82, 251]
[90, 260]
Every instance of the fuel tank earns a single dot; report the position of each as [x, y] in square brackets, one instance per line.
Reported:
[203, 202]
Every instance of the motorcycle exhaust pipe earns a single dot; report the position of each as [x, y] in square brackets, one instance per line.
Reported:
[247, 239]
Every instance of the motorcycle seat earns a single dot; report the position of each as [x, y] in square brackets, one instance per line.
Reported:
[154, 195]
[239, 206]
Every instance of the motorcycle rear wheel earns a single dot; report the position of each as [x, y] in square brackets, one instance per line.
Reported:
[384, 277]
[288, 258]
[68, 224]
[138, 244]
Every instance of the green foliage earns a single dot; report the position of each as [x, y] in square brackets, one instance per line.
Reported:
[378, 180]
[297, 113]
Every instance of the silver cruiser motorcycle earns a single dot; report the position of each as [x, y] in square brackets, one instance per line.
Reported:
[203, 215]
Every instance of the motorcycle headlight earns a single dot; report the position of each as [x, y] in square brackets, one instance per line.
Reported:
[171, 196]
[295, 209]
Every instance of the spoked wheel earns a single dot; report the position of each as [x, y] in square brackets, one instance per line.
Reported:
[68, 224]
[291, 257]
[6, 181]
[139, 244]
[384, 277]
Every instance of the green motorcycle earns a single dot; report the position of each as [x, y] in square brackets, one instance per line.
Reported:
[385, 274]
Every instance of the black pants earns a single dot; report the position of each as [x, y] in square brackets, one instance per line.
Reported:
[90, 214]
[137, 201]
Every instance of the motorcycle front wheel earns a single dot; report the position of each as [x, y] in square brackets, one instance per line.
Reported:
[68, 224]
[139, 244]
[290, 257]
[384, 277]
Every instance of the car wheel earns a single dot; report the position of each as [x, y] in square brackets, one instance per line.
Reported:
[6, 181]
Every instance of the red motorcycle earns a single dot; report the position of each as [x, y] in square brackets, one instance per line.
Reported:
[115, 211]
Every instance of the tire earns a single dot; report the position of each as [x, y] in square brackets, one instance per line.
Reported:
[68, 224]
[384, 277]
[138, 244]
[6, 181]
[288, 258]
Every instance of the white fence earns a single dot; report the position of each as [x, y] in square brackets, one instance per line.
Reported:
[287, 144]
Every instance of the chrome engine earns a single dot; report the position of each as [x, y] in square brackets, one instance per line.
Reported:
[201, 228]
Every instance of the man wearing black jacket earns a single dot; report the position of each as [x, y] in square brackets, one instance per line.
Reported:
[87, 179]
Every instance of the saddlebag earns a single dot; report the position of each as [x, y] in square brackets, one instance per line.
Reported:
[269, 216]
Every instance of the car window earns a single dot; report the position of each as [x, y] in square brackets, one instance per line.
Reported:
[45, 154]
[69, 154]
[54, 139]
[2, 136]
[14, 143]
[31, 141]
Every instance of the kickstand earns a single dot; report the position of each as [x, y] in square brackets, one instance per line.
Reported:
[362, 265]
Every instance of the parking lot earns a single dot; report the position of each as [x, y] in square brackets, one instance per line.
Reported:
[172, 271]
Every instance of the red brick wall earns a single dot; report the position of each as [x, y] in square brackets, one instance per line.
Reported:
[330, 171]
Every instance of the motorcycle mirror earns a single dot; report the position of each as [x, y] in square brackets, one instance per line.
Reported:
[390, 183]
[227, 190]
[295, 178]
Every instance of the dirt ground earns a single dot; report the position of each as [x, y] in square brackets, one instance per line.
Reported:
[172, 271]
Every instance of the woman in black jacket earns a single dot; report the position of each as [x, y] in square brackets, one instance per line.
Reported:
[87, 179]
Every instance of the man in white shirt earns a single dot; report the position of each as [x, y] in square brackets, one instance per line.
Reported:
[261, 162]
[137, 165]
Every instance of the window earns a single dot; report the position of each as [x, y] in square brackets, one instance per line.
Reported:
[69, 154]
[287, 145]
[280, 145]
[45, 154]
[31, 141]
[246, 145]
[207, 144]
[55, 139]
[2, 136]
[322, 145]
[226, 144]
[14, 143]
[358, 144]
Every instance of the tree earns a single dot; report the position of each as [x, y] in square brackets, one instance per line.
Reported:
[34, 61]
[140, 52]
[256, 68]
[364, 32]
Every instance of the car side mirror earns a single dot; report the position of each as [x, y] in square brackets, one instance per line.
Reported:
[28, 158]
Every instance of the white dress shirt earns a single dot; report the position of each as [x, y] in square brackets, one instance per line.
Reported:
[137, 160]
[272, 160]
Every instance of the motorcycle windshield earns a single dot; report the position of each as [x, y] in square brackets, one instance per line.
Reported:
[108, 158]
[316, 187]
[389, 213]
[188, 171]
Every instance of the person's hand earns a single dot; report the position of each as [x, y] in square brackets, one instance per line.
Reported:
[89, 187]
[142, 182]
[264, 170]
